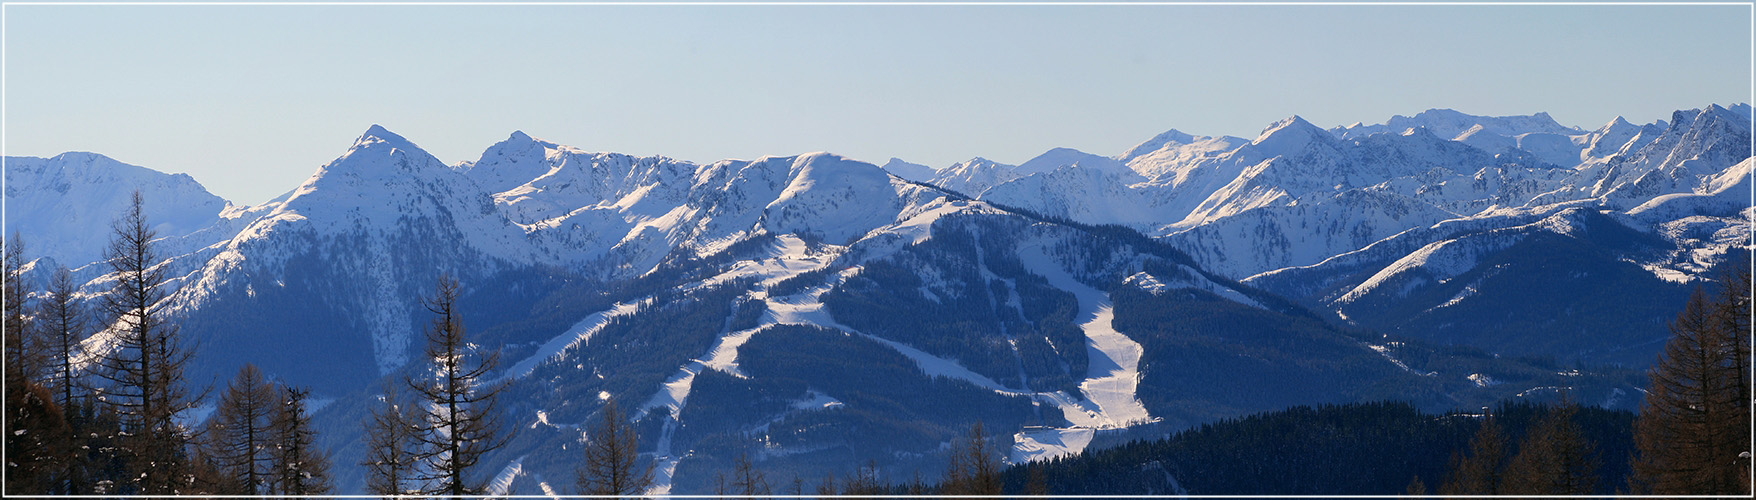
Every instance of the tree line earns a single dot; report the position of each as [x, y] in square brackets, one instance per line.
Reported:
[97, 402]
[1691, 435]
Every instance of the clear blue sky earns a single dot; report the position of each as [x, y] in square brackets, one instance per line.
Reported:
[250, 100]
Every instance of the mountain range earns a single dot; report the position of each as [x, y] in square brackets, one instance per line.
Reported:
[816, 312]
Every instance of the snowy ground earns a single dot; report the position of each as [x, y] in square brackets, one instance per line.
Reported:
[789, 257]
[1107, 395]
[502, 482]
[1112, 376]
[1042, 443]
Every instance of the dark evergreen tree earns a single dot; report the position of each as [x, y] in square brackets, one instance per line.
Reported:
[145, 361]
[98, 449]
[612, 463]
[460, 421]
[35, 435]
[1037, 483]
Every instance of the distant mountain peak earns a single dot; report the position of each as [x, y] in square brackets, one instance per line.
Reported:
[377, 136]
[377, 133]
[1289, 135]
[1450, 124]
[1618, 121]
[1291, 121]
[379, 153]
[911, 171]
[1157, 142]
[1437, 113]
[1061, 157]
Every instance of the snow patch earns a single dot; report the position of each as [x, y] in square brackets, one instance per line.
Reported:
[1042, 443]
[816, 401]
[1385, 351]
[1668, 274]
[1483, 380]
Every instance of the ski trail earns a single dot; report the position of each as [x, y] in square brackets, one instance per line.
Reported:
[502, 482]
[1112, 372]
[574, 336]
[791, 258]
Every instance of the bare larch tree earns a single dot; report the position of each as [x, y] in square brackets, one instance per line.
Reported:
[459, 423]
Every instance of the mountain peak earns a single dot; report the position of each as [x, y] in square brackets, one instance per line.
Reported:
[1451, 124]
[379, 131]
[511, 162]
[1157, 142]
[1292, 126]
[1294, 121]
[1062, 157]
[1288, 137]
[1434, 113]
[377, 134]
[974, 162]
[379, 151]
[911, 171]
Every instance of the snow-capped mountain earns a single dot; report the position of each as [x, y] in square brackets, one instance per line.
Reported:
[1451, 124]
[342, 262]
[1172, 148]
[1237, 206]
[911, 171]
[975, 175]
[833, 311]
[87, 190]
[1697, 144]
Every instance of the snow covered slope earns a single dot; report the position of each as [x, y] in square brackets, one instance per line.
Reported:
[1297, 194]
[911, 171]
[974, 176]
[352, 250]
[63, 206]
[832, 312]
